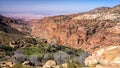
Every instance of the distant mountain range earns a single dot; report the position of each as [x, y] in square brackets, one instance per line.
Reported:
[30, 15]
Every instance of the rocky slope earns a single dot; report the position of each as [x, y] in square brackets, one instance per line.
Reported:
[14, 33]
[13, 26]
[89, 31]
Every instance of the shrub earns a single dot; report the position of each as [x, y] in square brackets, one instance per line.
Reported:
[51, 48]
[32, 50]
[46, 57]
[31, 41]
[60, 57]
[80, 59]
[75, 59]
[5, 48]
[18, 57]
[34, 60]
[82, 56]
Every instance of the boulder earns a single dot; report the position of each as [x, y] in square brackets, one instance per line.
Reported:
[26, 63]
[9, 64]
[49, 64]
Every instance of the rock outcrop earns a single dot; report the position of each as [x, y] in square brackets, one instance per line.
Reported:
[108, 57]
[88, 31]
[49, 64]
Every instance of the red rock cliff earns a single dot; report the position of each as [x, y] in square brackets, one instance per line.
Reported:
[88, 31]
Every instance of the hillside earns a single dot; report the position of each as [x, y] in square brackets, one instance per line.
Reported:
[89, 31]
[13, 26]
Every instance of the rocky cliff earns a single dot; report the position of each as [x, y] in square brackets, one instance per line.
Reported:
[89, 31]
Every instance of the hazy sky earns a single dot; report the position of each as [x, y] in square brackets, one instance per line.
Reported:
[52, 6]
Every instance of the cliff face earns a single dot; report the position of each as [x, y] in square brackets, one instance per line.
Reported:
[88, 31]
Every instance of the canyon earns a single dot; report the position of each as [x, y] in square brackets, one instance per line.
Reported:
[88, 31]
[85, 39]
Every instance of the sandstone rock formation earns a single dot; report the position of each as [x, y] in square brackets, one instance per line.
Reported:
[107, 57]
[49, 64]
[88, 31]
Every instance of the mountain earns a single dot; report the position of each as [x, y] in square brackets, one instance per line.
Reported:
[99, 9]
[13, 33]
[13, 26]
[102, 13]
[88, 31]
[106, 9]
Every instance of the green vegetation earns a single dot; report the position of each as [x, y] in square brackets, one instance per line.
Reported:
[47, 48]
[34, 50]
[16, 40]
[60, 54]
[6, 38]
[39, 52]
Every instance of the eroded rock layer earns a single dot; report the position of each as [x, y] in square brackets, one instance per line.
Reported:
[88, 31]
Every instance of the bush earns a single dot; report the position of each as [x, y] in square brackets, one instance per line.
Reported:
[60, 57]
[46, 57]
[32, 50]
[5, 48]
[75, 59]
[31, 41]
[80, 59]
[34, 60]
[18, 57]
[55, 52]
[82, 56]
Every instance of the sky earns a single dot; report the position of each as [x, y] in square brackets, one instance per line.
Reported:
[51, 7]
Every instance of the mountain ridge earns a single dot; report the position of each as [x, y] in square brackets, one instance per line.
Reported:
[88, 31]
